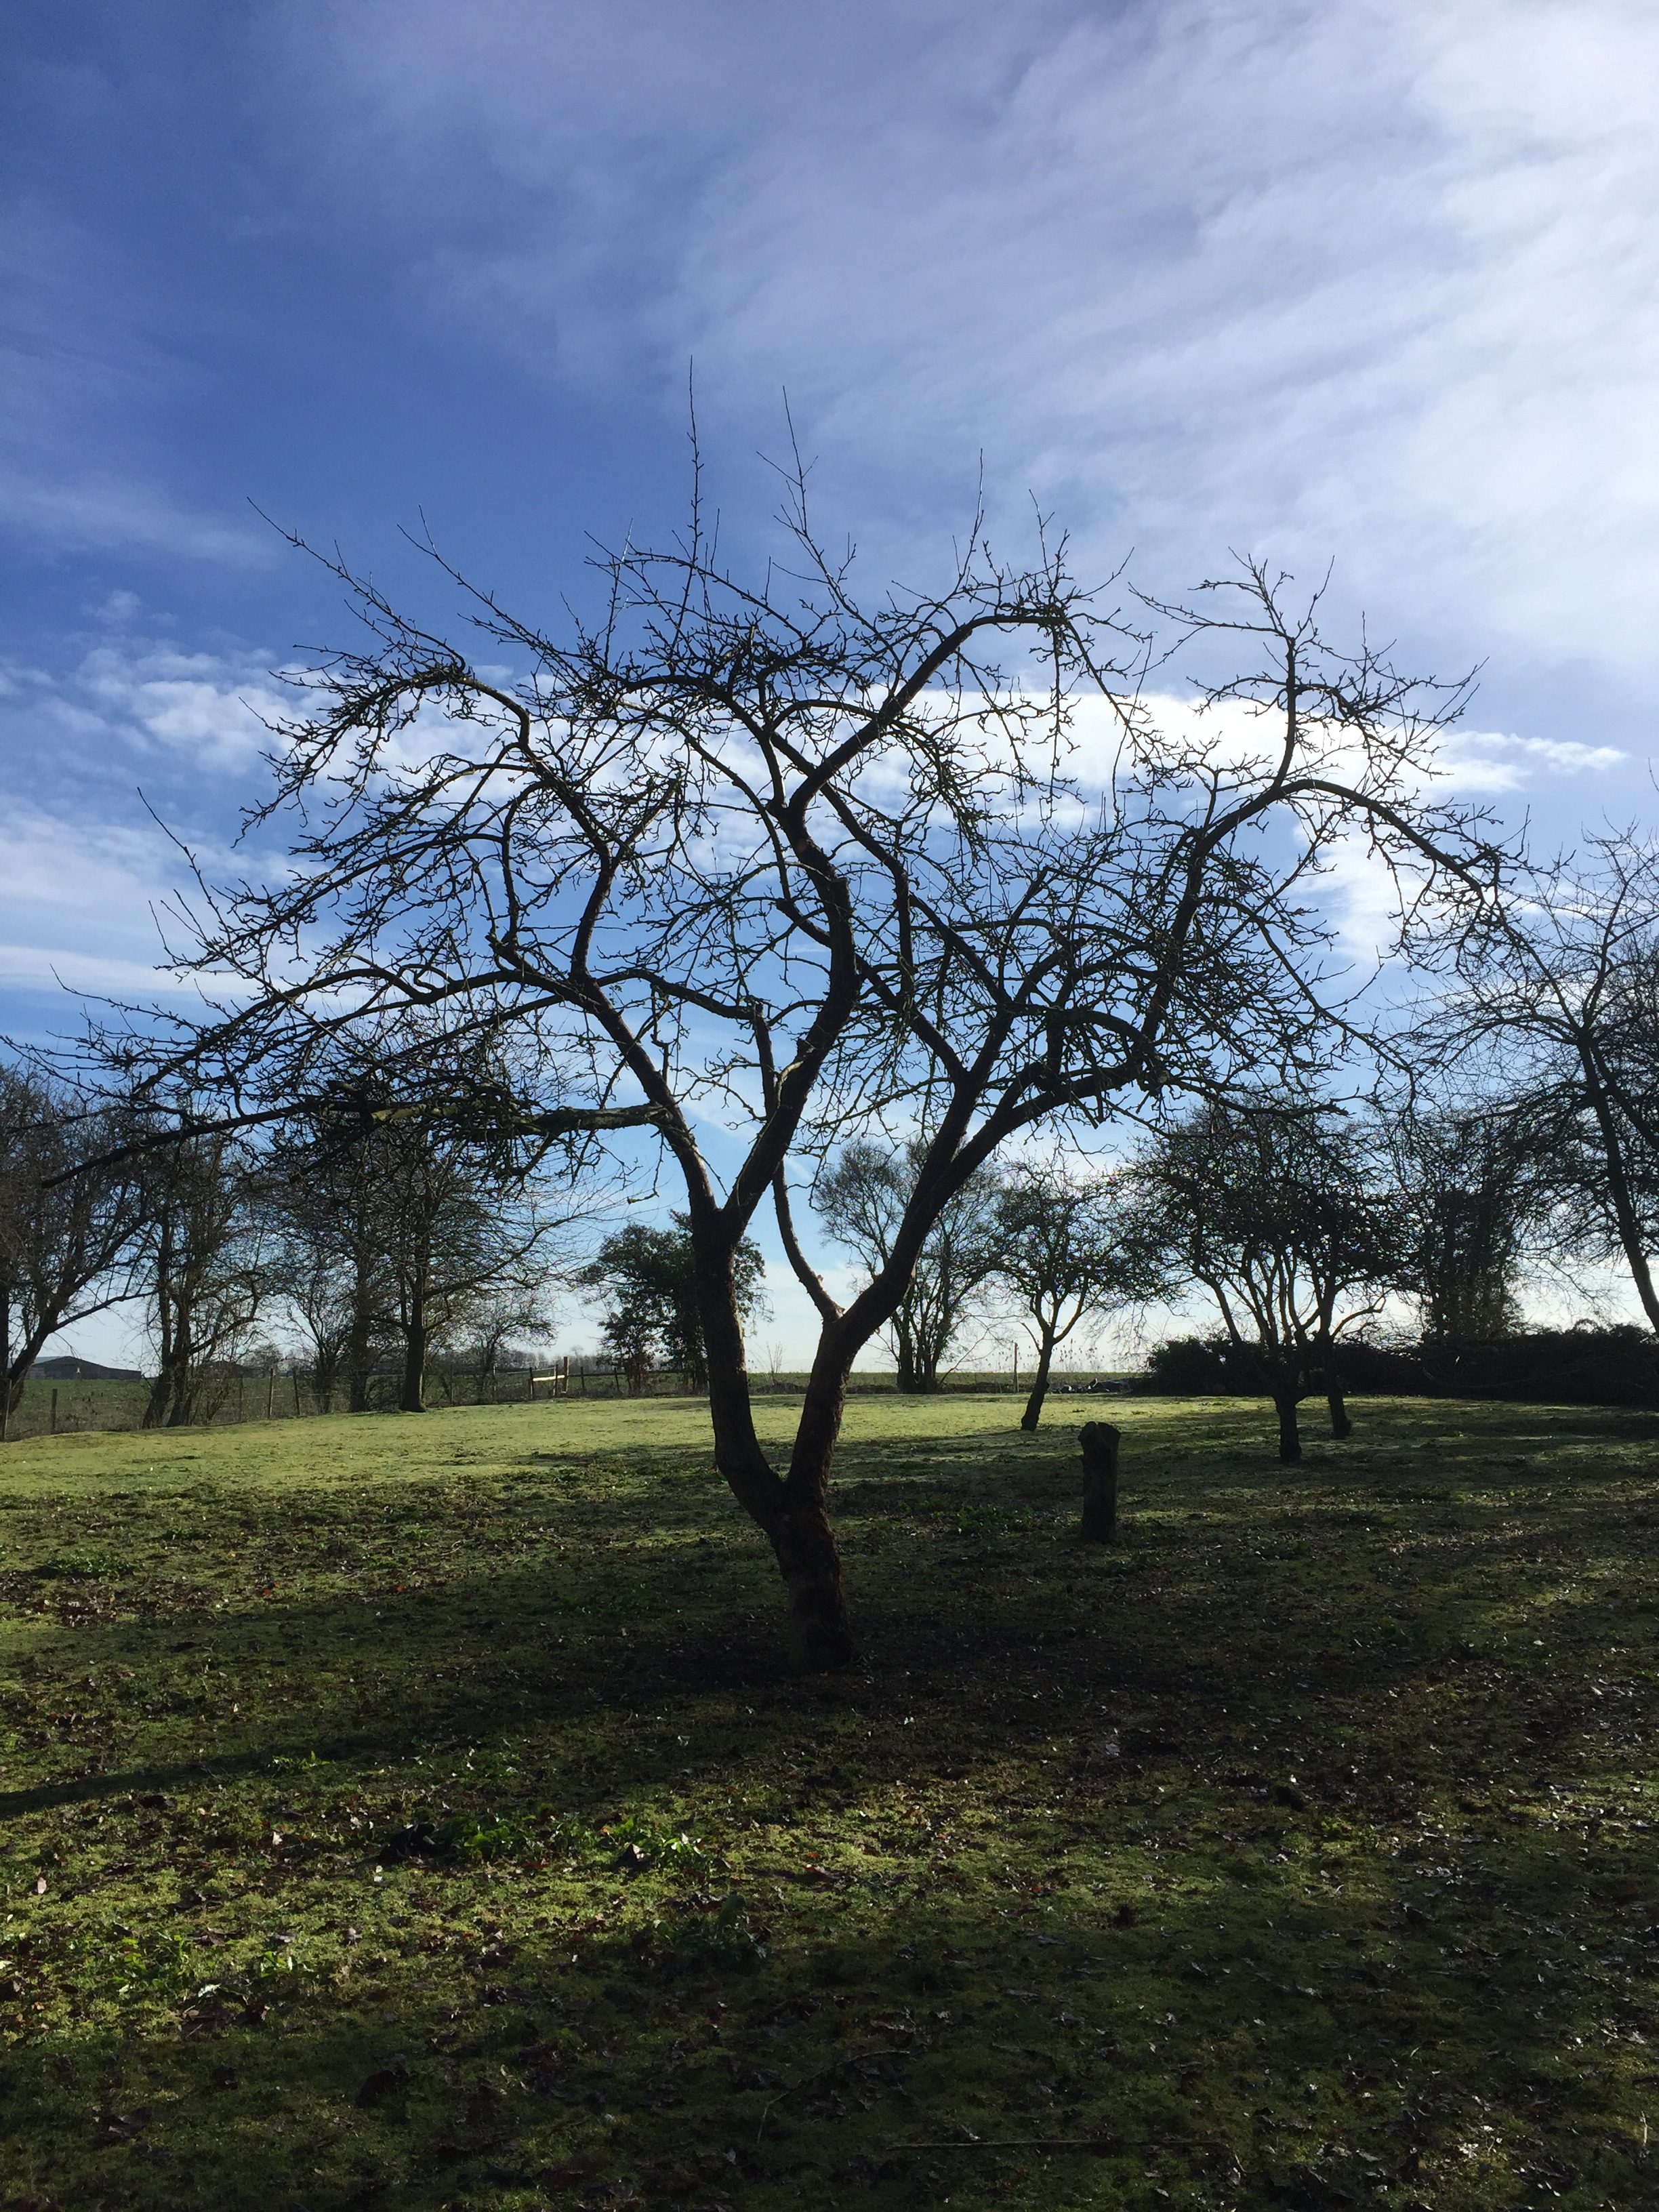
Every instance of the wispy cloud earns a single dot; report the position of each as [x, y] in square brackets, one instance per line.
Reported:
[83, 904]
[1381, 280]
[145, 697]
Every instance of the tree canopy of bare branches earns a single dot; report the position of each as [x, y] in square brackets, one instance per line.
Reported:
[1288, 1218]
[758, 856]
[1069, 1245]
[862, 1196]
[69, 1216]
[1558, 984]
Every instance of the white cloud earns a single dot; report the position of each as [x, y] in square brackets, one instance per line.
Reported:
[81, 905]
[208, 710]
[1493, 761]
[1380, 280]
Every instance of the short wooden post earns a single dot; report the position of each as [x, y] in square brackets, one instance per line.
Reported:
[54, 1412]
[1098, 1442]
[270, 1395]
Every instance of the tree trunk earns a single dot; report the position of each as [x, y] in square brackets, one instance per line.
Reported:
[1033, 1413]
[1626, 1216]
[1290, 1431]
[792, 1513]
[362, 1324]
[820, 1634]
[411, 1398]
[1098, 1440]
[1341, 1426]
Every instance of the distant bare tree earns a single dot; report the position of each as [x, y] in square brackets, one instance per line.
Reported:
[863, 1196]
[1069, 1246]
[462, 1232]
[750, 853]
[330, 1250]
[1470, 1191]
[209, 1263]
[1283, 1214]
[70, 1214]
[1559, 982]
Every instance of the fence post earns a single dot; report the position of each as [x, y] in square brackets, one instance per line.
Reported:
[54, 1412]
[270, 1396]
[1098, 1442]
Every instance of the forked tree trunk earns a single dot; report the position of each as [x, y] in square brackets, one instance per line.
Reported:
[1033, 1413]
[820, 1634]
[792, 1512]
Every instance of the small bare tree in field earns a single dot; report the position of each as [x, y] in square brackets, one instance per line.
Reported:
[1558, 982]
[862, 1196]
[753, 853]
[1068, 1246]
[69, 1217]
[1290, 1219]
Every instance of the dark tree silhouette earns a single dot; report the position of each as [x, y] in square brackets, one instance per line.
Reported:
[71, 1212]
[748, 856]
[650, 1276]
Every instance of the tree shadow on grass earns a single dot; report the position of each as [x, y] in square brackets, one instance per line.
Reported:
[1276, 1857]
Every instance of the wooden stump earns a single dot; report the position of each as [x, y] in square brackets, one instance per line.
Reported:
[1099, 1442]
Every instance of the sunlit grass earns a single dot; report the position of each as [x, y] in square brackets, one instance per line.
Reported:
[413, 1811]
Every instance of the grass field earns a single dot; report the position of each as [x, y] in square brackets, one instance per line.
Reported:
[411, 1813]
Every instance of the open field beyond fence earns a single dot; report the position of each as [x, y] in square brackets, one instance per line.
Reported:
[412, 1812]
[79, 1406]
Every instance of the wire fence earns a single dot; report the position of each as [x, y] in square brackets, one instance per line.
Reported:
[86, 1404]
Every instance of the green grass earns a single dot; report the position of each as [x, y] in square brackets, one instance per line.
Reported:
[411, 1813]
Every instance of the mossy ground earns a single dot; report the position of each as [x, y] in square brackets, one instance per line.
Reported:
[1296, 1851]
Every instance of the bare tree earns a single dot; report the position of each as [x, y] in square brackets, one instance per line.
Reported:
[209, 1263]
[1559, 979]
[1469, 1188]
[751, 858]
[1068, 1246]
[462, 1231]
[330, 1250]
[863, 1196]
[1282, 1215]
[70, 1214]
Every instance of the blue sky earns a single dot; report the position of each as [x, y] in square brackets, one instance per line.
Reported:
[1377, 283]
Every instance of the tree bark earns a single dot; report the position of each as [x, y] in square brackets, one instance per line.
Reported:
[1290, 1430]
[1341, 1426]
[411, 1399]
[362, 1325]
[1033, 1413]
[792, 1512]
[1098, 1440]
